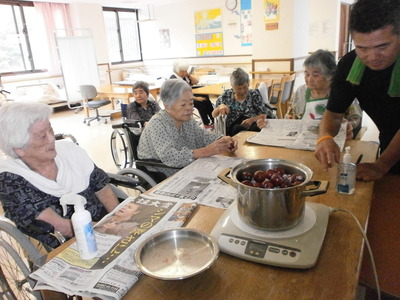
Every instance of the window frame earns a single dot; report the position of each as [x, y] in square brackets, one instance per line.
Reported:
[117, 10]
[25, 31]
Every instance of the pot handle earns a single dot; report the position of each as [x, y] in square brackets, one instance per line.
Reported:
[320, 188]
[223, 176]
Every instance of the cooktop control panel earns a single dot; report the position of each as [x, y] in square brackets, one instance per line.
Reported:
[257, 250]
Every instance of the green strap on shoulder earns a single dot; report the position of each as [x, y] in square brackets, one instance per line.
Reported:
[394, 88]
[357, 71]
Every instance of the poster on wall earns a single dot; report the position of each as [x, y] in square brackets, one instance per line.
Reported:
[245, 23]
[209, 44]
[208, 20]
[271, 10]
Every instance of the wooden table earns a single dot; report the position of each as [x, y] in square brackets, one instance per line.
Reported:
[113, 92]
[335, 276]
[218, 89]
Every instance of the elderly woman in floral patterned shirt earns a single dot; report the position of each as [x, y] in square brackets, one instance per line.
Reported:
[243, 106]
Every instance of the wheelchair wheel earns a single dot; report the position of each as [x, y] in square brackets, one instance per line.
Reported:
[18, 258]
[5, 289]
[119, 149]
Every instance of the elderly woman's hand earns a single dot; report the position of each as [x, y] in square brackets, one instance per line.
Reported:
[223, 109]
[198, 98]
[262, 122]
[222, 145]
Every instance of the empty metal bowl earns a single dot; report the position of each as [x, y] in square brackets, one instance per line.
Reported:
[176, 254]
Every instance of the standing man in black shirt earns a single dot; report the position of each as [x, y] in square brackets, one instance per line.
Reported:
[370, 73]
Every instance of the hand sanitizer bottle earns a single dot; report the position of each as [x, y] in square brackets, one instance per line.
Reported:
[346, 176]
[82, 224]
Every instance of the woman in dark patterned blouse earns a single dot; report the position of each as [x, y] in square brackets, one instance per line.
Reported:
[243, 106]
[142, 109]
[40, 170]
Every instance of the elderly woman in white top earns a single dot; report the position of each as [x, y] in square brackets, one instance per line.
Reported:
[173, 136]
[40, 170]
[310, 99]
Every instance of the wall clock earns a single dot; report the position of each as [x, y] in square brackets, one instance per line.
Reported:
[231, 4]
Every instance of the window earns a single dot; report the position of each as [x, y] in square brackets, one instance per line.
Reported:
[21, 38]
[123, 38]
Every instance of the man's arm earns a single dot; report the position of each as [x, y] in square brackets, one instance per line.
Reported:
[327, 151]
[375, 171]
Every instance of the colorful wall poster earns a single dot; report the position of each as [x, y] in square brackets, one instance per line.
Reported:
[209, 44]
[208, 20]
[245, 23]
[271, 10]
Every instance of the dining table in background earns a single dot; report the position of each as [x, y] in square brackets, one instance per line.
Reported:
[218, 88]
[336, 273]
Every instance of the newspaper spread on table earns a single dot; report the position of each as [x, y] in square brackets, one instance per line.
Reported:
[294, 134]
[113, 271]
[199, 182]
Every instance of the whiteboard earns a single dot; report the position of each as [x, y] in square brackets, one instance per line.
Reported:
[78, 64]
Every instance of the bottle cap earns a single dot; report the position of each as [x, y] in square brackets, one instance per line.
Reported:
[347, 156]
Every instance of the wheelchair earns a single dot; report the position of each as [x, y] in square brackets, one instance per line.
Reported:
[20, 254]
[124, 142]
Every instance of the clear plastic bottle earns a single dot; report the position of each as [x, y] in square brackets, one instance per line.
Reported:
[346, 175]
[82, 224]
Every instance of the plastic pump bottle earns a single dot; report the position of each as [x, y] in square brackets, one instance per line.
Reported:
[82, 224]
[346, 177]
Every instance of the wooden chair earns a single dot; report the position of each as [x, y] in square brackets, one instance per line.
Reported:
[282, 93]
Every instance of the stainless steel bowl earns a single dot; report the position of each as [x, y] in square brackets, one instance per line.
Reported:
[176, 254]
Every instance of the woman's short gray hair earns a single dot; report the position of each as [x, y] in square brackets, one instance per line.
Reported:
[15, 121]
[324, 61]
[172, 89]
[143, 85]
[239, 77]
[180, 65]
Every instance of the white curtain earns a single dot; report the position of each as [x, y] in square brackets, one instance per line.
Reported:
[55, 16]
[78, 61]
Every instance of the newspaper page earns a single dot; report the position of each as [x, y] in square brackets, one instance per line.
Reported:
[113, 271]
[294, 134]
[199, 182]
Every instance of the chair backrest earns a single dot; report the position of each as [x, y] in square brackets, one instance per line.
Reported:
[88, 91]
[282, 93]
[288, 85]
[265, 88]
[124, 110]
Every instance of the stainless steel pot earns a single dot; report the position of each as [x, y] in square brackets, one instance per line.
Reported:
[273, 209]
